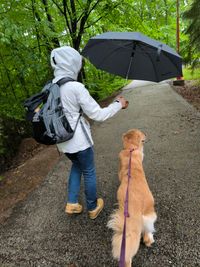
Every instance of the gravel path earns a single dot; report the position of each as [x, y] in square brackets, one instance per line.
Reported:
[39, 233]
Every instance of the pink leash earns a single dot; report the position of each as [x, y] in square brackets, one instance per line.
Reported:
[126, 214]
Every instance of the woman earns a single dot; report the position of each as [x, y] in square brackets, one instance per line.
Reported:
[67, 62]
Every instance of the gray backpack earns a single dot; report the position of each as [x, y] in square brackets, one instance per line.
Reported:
[46, 113]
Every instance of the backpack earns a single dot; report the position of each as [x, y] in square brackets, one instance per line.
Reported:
[46, 113]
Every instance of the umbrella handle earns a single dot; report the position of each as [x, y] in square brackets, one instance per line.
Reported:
[131, 59]
[129, 67]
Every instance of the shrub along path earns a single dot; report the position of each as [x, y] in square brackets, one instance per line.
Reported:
[39, 233]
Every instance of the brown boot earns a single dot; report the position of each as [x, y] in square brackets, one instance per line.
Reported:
[94, 213]
[73, 208]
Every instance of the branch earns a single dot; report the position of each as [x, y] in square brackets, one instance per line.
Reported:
[92, 8]
[65, 15]
[86, 13]
[94, 22]
[80, 4]
[58, 6]
[36, 16]
[63, 12]
[86, 10]
[99, 18]
[49, 18]
[68, 10]
[73, 16]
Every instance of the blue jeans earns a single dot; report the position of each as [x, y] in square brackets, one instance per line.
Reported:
[82, 163]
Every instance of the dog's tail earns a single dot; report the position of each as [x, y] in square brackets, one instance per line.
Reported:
[133, 234]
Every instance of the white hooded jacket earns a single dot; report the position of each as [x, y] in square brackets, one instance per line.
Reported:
[67, 62]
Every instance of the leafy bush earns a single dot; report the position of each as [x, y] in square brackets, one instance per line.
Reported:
[191, 74]
[101, 84]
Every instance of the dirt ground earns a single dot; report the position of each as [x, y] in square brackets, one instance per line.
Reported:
[34, 161]
[191, 92]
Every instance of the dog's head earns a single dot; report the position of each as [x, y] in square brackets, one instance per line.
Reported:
[133, 139]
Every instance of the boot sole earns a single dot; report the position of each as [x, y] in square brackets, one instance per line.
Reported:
[92, 218]
[71, 213]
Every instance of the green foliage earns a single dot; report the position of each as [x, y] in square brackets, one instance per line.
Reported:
[101, 84]
[191, 74]
[194, 23]
[193, 29]
[29, 30]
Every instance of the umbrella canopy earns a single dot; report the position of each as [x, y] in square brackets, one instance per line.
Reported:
[133, 55]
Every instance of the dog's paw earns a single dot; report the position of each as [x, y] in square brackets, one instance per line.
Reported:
[148, 239]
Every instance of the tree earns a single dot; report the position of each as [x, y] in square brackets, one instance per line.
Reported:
[193, 29]
[82, 15]
[194, 23]
[30, 29]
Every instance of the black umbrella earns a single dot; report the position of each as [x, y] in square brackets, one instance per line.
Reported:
[133, 55]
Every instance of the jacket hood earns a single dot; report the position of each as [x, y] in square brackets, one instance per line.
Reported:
[66, 62]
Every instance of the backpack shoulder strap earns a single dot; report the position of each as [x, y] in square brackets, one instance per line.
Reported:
[64, 80]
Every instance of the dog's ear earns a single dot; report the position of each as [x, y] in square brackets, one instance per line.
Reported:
[129, 141]
[133, 139]
[143, 137]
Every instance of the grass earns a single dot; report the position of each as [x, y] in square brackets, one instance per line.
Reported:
[190, 74]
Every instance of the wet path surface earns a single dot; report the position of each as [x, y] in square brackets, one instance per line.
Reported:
[39, 233]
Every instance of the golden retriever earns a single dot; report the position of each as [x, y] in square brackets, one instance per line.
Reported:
[140, 201]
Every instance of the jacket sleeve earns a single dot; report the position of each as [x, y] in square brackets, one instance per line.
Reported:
[92, 109]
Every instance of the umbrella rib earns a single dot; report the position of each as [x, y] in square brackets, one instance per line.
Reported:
[149, 54]
[166, 54]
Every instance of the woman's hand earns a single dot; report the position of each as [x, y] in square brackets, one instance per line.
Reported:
[123, 101]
